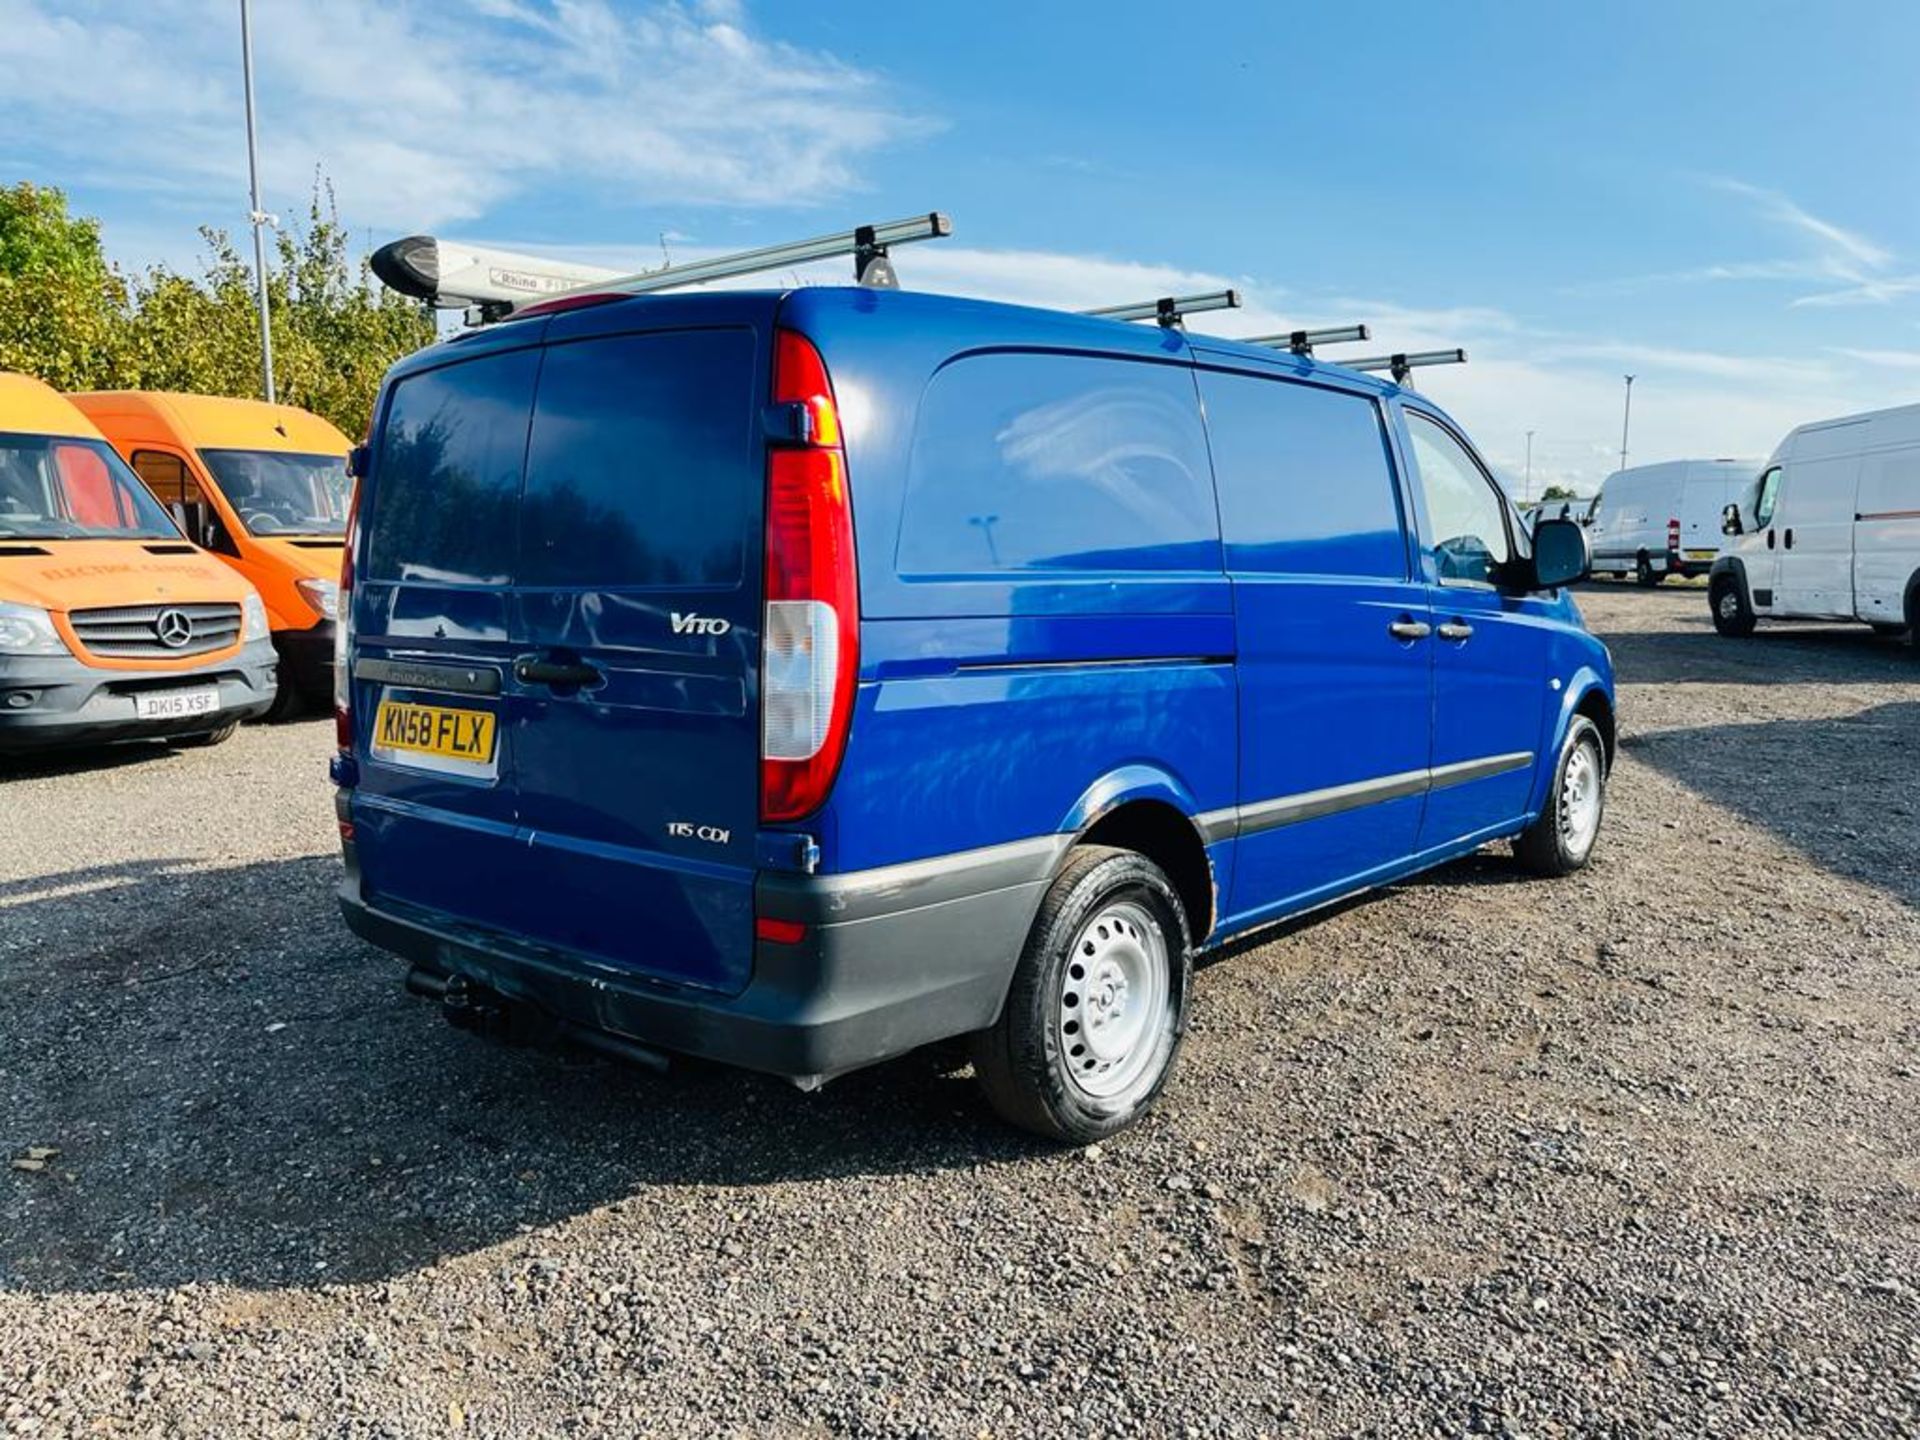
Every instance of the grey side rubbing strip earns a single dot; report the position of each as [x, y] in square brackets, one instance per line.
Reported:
[1312, 804]
[1461, 771]
[865, 894]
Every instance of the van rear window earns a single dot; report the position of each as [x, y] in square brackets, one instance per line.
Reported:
[446, 483]
[1039, 462]
[644, 467]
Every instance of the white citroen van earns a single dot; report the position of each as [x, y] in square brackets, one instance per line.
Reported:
[1830, 530]
[1653, 521]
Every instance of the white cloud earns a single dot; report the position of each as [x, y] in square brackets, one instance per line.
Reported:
[1848, 248]
[438, 111]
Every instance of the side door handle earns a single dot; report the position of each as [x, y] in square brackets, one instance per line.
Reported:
[1455, 630]
[559, 674]
[1789, 538]
[1770, 541]
[1407, 628]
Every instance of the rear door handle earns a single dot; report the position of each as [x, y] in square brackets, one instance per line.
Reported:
[1406, 628]
[560, 674]
[1455, 630]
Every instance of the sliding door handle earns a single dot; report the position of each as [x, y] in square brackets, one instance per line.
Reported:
[1455, 630]
[1407, 628]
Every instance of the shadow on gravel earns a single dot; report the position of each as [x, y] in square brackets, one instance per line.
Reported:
[1770, 656]
[34, 764]
[242, 1093]
[1843, 791]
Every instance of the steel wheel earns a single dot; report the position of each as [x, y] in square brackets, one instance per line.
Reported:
[1729, 605]
[1581, 784]
[1113, 1000]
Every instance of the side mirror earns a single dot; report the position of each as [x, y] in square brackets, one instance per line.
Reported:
[1730, 521]
[1560, 554]
[357, 461]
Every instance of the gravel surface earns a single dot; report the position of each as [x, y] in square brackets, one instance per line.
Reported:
[1633, 1153]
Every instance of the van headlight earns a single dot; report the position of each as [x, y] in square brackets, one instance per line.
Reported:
[322, 595]
[253, 619]
[28, 630]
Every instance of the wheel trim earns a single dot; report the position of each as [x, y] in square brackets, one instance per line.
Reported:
[1582, 786]
[1729, 605]
[1113, 1000]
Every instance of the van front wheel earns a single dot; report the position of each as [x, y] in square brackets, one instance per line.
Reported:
[1561, 840]
[1732, 615]
[1098, 1005]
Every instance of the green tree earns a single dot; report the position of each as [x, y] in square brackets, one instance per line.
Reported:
[1558, 492]
[61, 304]
[69, 317]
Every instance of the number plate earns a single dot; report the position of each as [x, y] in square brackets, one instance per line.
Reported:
[434, 737]
[176, 704]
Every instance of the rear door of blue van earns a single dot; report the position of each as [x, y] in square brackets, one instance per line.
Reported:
[616, 620]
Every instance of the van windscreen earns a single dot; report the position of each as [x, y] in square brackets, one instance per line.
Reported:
[275, 493]
[68, 488]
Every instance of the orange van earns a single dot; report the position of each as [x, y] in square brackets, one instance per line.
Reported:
[262, 486]
[112, 626]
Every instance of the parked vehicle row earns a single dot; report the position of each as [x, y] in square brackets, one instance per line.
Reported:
[796, 678]
[118, 618]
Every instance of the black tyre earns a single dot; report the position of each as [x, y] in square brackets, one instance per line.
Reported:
[1732, 611]
[206, 737]
[1643, 571]
[1098, 1005]
[1891, 632]
[1562, 839]
[288, 700]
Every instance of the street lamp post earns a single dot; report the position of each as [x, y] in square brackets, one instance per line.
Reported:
[256, 217]
[1526, 486]
[1626, 419]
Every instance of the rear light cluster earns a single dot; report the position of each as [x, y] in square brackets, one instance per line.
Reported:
[1673, 534]
[811, 635]
[343, 631]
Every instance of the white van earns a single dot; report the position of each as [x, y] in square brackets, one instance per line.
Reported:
[1830, 530]
[1653, 521]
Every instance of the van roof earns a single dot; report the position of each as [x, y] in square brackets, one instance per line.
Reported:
[33, 407]
[1009, 324]
[219, 422]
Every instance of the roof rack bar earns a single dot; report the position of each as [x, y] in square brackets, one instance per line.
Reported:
[868, 245]
[1400, 364]
[1301, 342]
[1168, 310]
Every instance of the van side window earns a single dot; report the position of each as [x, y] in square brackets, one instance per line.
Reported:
[634, 466]
[1468, 519]
[446, 481]
[173, 485]
[1766, 494]
[1305, 484]
[1041, 462]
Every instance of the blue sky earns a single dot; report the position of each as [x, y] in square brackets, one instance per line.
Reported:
[1720, 198]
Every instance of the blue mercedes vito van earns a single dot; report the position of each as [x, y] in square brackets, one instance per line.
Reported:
[796, 678]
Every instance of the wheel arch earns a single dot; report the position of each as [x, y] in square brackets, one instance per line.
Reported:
[1147, 810]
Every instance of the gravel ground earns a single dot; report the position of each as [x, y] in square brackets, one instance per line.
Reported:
[1628, 1154]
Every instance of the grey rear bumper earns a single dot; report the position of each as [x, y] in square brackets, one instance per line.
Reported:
[892, 959]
